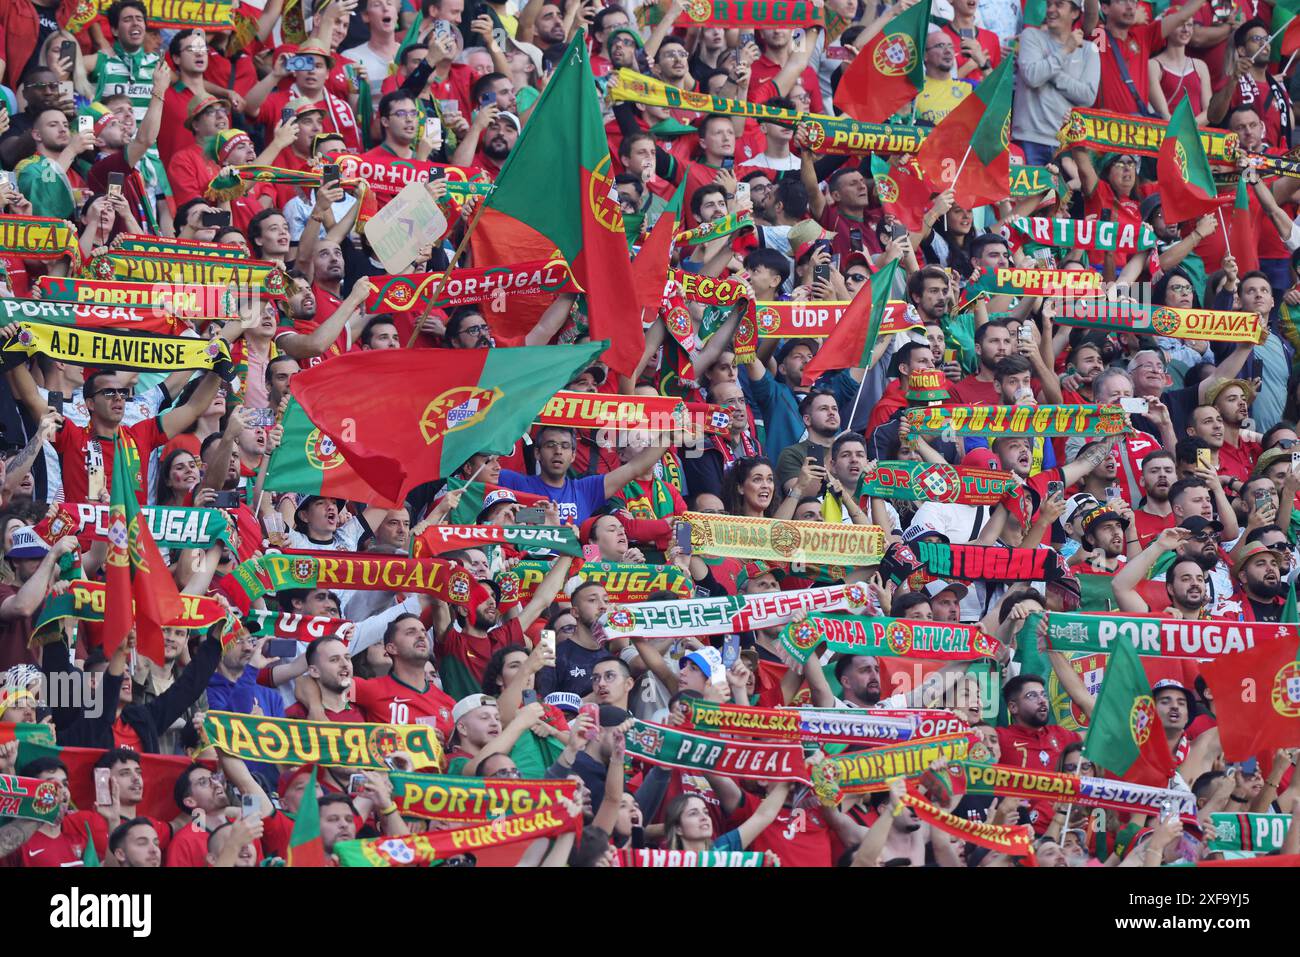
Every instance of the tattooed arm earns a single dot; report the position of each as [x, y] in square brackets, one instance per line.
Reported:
[15, 834]
[18, 467]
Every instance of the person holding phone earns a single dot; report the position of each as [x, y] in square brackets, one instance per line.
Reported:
[821, 418]
[46, 177]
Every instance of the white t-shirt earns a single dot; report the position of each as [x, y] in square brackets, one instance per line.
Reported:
[345, 539]
[144, 405]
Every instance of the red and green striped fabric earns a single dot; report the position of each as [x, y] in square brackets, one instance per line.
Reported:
[1186, 182]
[967, 150]
[308, 462]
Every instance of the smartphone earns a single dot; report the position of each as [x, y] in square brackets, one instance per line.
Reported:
[593, 711]
[329, 173]
[591, 553]
[730, 650]
[86, 124]
[65, 89]
[822, 272]
[528, 696]
[55, 401]
[487, 98]
[356, 783]
[1262, 499]
[103, 790]
[433, 129]
[286, 115]
[746, 38]
[728, 162]
[286, 649]
[742, 193]
[247, 805]
[115, 181]
[1295, 460]
[682, 532]
[1025, 333]
[897, 230]
[1204, 459]
[855, 238]
[300, 63]
[216, 219]
[1055, 489]
[533, 515]
[547, 639]
[837, 53]
[441, 28]
[1168, 810]
[817, 454]
[226, 499]
[448, 106]
[68, 51]
[1113, 492]
[1134, 406]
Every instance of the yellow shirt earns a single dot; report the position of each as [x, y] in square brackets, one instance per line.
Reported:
[939, 97]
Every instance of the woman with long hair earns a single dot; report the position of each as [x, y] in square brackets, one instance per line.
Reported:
[688, 826]
[1175, 76]
[750, 488]
[178, 477]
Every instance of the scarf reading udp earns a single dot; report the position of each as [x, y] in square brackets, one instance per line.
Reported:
[289, 741]
[1019, 421]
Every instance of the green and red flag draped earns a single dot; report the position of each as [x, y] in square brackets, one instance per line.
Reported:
[475, 498]
[453, 404]
[1125, 736]
[973, 141]
[306, 849]
[1285, 12]
[1186, 182]
[1257, 697]
[890, 72]
[307, 461]
[1242, 241]
[902, 191]
[558, 182]
[139, 590]
[650, 268]
[850, 343]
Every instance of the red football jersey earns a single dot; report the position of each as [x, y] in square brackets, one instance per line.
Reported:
[389, 701]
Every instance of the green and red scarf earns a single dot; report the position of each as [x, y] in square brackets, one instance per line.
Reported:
[464, 286]
[751, 14]
[433, 847]
[40, 238]
[440, 539]
[623, 581]
[125, 318]
[886, 637]
[731, 613]
[656, 857]
[702, 753]
[865, 772]
[31, 799]
[988, 563]
[1106, 132]
[427, 576]
[1060, 788]
[1259, 833]
[328, 743]
[1215, 325]
[1153, 637]
[1097, 235]
[251, 276]
[706, 232]
[175, 302]
[810, 726]
[130, 242]
[817, 320]
[1016, 840]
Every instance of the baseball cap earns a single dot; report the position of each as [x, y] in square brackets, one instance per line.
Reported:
[305, 504]
[611, 716]
[1150, 204]
[1252, 550]
[914, 532]
[1196, 524]
[981, 459]
[937, 587]
[529, 50]
[26, 544]
[1077, 504]
[492, 498]
[566, 701]
[1099, 514]
[471, 702]
[507, 115]
[788, 346]
[1166, 684]
[699, 661]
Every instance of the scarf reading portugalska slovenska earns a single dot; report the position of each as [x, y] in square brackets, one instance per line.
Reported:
[827, 726]
[865, 772]
[432, 847]
[687, 751]
[176, 302]
[31, 799]
[886, 637]
[289, 741]
[653, 857]
[129, 242]
[1107, 132]
[141, 352]
[732, 613]
[1099, 235]
[440, 539]
[733, 536]
[1154, 637]
[445, 797]
[990, 563]
[1216, 325]
[464, 286]
[623, 581]
[1024, 421]
[706, 232]
[1261, 833]
[428, 576]
[1016, 840]
[85, 600]
[1115, 795]
[89, 316]
[250, 275]
[39, 238]
[839, 136]
[818, 319]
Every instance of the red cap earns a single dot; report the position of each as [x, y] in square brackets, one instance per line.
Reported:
[981, 459]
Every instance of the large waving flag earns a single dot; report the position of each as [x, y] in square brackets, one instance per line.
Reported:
[850, 343]
[557, 181]
[1266, 718]
[307, 461]
[139, 591]
[890, 72]
[967, 150]
[452, 403]
[1125, 736]
[1186, 182]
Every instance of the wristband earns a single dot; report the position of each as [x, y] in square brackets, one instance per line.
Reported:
[391, 809]
[627, 654]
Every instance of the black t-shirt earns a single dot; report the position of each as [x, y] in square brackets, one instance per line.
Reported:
[1266, 610]
[45, 15]
[572, 671]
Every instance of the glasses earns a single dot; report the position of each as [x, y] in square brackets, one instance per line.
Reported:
[1258, 38]
[1034, 696]
[42, 86]
[115, 393]
[557, 446]
[857, 277]
[1179, 287]
[567, 629]
[1126, 162]
[405, 114]
[476, 330]
[1204, 536]
[1286, 443]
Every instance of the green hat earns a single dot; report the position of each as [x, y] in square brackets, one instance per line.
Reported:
[670, 127]
[636, 37]
[218, 147]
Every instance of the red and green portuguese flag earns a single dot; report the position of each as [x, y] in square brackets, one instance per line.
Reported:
[454, 403]
[306, 849]
[1186, 183]
[1285, 12]
[307, 462]
[558, 182]
[1125, 736]
[1242, 242]
[849, 345]
[967, 150]
[902, 191]
[890, 72]
[139, 590]
[1266, 718]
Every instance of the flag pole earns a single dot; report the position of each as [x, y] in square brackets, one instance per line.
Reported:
[446, 274]
[961, 167]
[1226, 244]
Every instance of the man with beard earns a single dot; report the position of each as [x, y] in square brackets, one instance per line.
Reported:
[1103, 531]
[313, 335]
[43, 177]
[233, 686]
[705, 472]
[1190, 553]
[40, 89]
[1085, 365]
[1261, 589]
[1109, 388]
[821, 417]
[405, 695]
[992, 345]
[1031, 740]
[1271, 365]
[945, 600]
[575, 658]
[848, 460]
[328, 663]
[612, 682]
[910, 357]
[492, 135]
[467, 329]
[1232, 399]
[1155, 512]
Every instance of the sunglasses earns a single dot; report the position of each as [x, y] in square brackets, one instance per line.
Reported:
[115, 393]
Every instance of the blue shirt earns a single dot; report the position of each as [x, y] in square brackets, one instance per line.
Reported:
[239, 696]
[578, 499]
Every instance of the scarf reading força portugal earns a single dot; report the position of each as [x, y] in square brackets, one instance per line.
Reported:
[886, 637]
[137, 351]
[732, 536]
[429, 576]
[433, 847]
[332, 744]
[1016, 840]
[689, 751]
[445, 797]
[1002, 421]
[39, 238]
